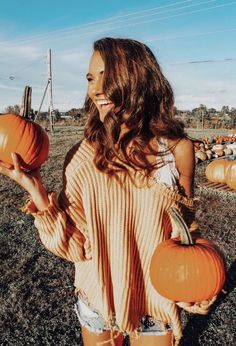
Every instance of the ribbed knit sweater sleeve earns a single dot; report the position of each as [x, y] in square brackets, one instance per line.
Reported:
[62, 227]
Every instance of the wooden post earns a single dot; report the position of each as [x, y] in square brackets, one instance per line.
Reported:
[26, 102]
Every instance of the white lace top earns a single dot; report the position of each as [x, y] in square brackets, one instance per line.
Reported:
[167, 173]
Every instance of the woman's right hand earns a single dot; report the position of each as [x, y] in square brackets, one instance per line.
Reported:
[30, 181]
[201, 308]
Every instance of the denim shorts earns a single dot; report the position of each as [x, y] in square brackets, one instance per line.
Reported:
[94, 322]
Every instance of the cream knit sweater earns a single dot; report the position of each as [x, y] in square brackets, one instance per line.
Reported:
[110, 228]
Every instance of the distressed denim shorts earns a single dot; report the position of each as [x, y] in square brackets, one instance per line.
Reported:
[94, 322]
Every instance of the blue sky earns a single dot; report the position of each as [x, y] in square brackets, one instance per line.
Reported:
[194, 42]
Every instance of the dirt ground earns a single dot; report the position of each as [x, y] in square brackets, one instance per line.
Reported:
[36, 288]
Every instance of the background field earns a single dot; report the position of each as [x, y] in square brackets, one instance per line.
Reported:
[36, 288]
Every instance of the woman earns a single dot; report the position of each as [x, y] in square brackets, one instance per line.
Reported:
[133, 164]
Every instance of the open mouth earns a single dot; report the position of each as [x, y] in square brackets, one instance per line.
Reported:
[104, 104]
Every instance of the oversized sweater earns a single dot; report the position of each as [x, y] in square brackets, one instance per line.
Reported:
[110, 228]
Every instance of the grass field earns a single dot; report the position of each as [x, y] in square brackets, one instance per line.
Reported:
[36, 288]
[201, 133]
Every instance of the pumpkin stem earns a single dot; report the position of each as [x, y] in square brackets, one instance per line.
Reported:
[185, 236]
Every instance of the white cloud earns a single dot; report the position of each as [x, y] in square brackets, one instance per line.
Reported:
[215, 100]
[7, 87]
[25, 59]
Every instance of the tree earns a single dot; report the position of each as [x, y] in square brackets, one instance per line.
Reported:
[13, 109]
[225, 110]
[233, 116]
[200, 113]
[56, 114]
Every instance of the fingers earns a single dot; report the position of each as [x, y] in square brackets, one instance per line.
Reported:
[213, 299]
[16, 163]
[5, 168]
[11, 170]
[183, 305]
[194, 309]
[201, 308]
[5, 165]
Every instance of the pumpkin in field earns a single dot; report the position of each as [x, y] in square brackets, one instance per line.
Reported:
[219, 153]
[230, 176]
[217, 147]
[227, 151]
[187, 271]
[209, 154]
[216, 170]
[25, 138]
[201, 155]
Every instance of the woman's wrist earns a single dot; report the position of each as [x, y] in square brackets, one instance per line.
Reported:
[40, 198]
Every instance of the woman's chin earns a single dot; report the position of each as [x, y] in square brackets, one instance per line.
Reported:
[103, 113]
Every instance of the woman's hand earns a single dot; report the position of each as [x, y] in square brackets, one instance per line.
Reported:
[201, 308]
[30, 181]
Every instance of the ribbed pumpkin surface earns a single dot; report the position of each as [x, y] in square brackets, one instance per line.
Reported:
[231, 175]
[187, 273]
[216, 170]
[24, 137]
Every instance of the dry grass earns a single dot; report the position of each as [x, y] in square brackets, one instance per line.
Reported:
[36, 288]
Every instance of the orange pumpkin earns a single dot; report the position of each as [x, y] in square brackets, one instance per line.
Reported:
[219, 152]
[201, 155]
[25, 138]
[216, 170]
[184, 271]
[228, 151]
[217, 147]
[209, 154]
[230, 176]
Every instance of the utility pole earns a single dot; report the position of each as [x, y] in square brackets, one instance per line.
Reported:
[50, 102]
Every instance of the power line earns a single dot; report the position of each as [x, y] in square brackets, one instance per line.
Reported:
[178, 15]
[14, 75]
[83, 29]
[165, 38]
[163, 12]
[202, 61]
[104, 21]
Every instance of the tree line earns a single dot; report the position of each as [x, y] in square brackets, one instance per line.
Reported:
[199, 117]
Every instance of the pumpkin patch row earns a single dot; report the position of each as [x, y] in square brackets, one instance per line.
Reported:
[219, 139]
[205, 152]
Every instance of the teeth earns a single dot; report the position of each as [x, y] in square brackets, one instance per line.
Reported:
[103, 102]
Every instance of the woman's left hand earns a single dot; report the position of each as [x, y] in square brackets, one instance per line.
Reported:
[201, 308]
[30, 181]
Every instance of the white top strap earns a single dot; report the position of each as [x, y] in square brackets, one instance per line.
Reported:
[167, 173]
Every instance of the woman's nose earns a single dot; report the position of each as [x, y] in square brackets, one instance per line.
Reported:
[98, 86]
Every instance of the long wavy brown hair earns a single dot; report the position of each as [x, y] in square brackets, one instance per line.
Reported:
[143, 100]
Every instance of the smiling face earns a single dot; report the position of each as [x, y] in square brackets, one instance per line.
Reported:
[95, 77]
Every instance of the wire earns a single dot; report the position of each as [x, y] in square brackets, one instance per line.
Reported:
[83, 29]
[29, 65]
[105, 21]
[177, 15]
[202, 61]
[15, 75]
[163, 12]
[165, 38]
